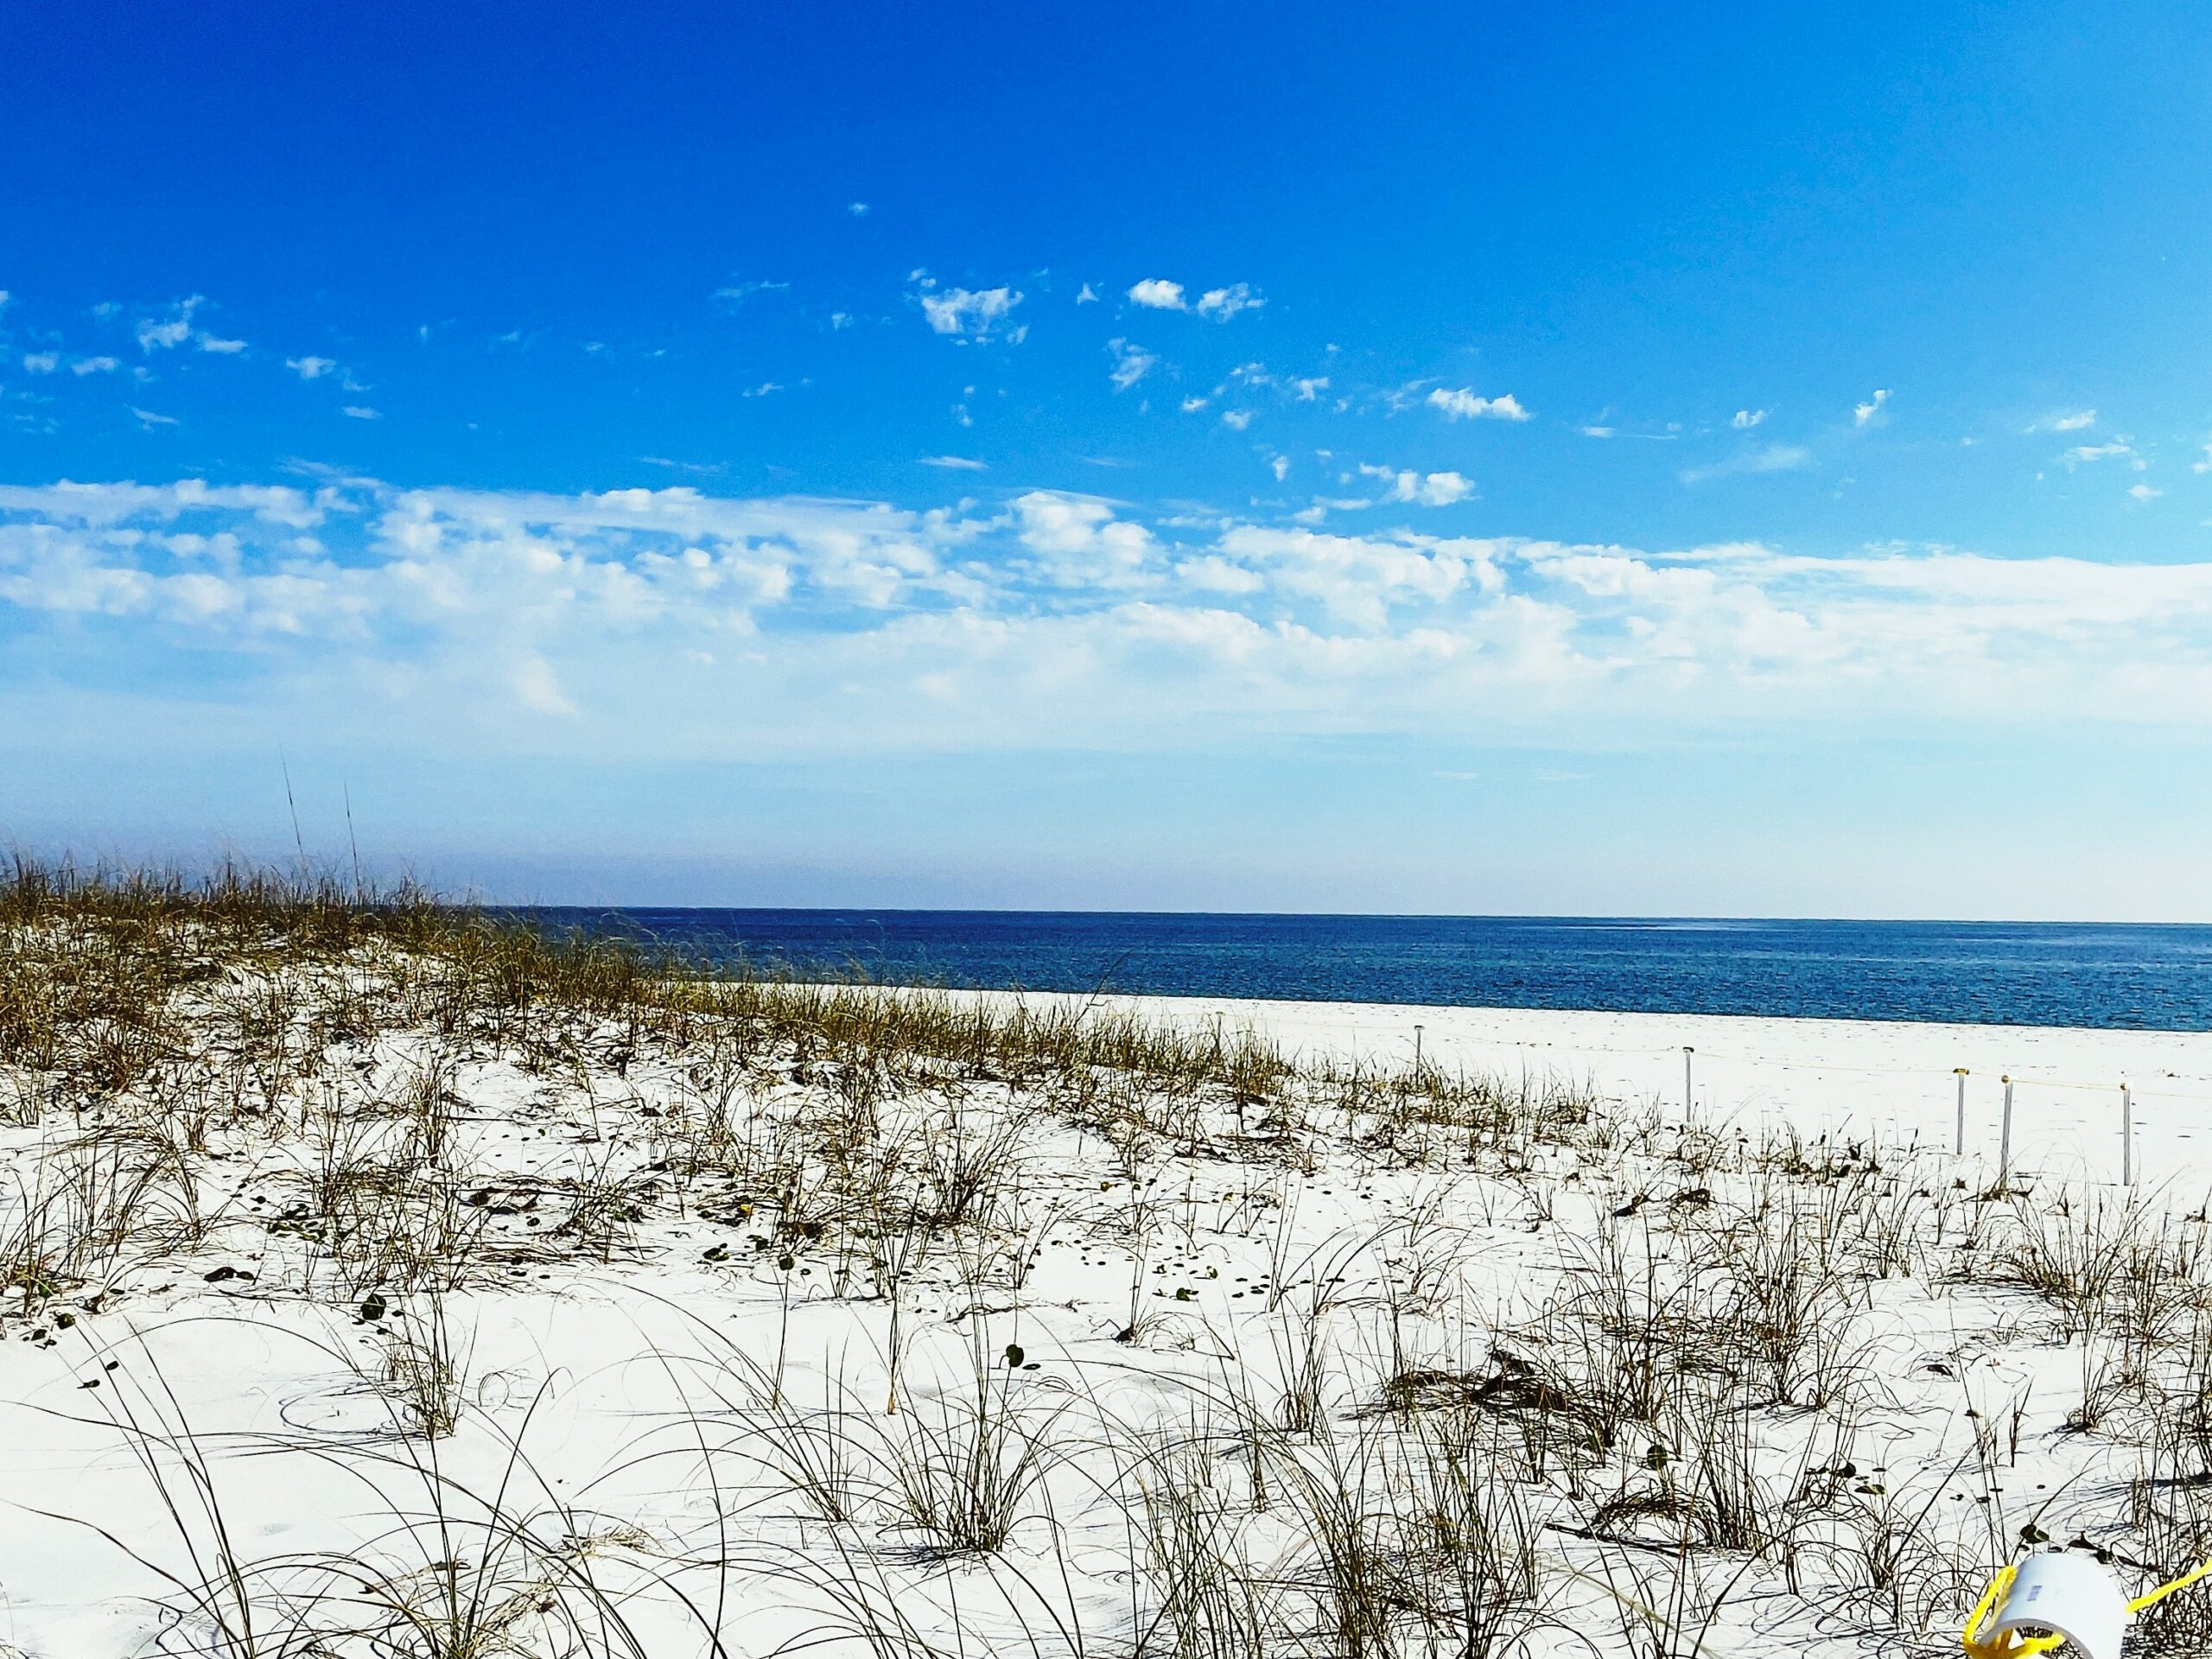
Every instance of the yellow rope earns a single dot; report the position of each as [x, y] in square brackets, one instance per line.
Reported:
[2165, 1590]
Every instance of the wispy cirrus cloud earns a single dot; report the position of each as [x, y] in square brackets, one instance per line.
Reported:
[1770, 458]
[176, 325]
[2118, 447]
[1131, 364]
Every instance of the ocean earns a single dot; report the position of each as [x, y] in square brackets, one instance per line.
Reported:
[2114, 976]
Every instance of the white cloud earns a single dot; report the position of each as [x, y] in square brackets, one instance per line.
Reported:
[538, 688]
[1079, 540]
[669, 622]
[1598, 431]
[1773, 458]
[84, 365]
[1745, 419]
[1311, 389]
[2081, 420]
[970, 314]
[739, 293]
[2205, 465]
[1086, 295]
[172, 329]
[1158, 293]
[1464, 405]
[1236, 419]
[2145, 492]
[1280, 465]
[765, 389]
[2117, 449]
[220, 346]
[1131, 364]
[1432, 490]
[955, 463]
[1864, 414]
[311, 368]
[1191, 405]
[857, 209]
[41, 362]
[147, 418]
[361, 412]
[1223, 304]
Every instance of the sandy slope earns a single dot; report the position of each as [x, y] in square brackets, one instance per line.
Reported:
[620, 1356]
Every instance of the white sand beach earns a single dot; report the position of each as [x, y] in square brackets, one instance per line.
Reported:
[391, 1309]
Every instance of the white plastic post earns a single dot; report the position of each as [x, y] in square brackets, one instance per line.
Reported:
[2126, 1135]
[2004, 1135]
[1686, 1051]
[1416, 1050]
[1959, 1142]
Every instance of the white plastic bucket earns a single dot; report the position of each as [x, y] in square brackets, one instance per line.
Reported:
[2069, 1594]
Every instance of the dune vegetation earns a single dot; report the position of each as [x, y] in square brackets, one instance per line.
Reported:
[381, 1276]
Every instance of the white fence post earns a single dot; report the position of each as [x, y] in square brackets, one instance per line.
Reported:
[2126, 1135]
[2005, 1137]
[1959, 1141]
[1686, 1051]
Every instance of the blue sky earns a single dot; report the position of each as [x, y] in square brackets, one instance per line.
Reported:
[1494, 459]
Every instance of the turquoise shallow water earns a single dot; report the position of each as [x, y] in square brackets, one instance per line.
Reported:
[2110, 975]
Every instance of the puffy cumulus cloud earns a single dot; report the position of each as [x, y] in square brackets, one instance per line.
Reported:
[41, 362]
[1745, 419]
[1080, 542]
[696, 626]
[1867, 413]
[1223, 304]
[1462, 405]
[968, 313]
[1217, 304]
[311, 368]
[1429, 490]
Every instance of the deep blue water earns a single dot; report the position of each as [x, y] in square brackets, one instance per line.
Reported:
[1987, 973]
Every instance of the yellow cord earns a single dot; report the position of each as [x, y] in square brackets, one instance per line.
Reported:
[2165, 1590]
